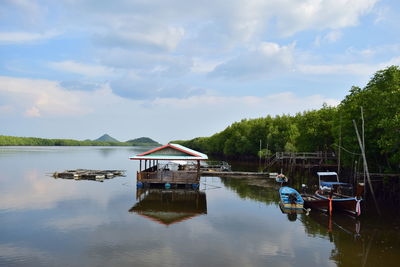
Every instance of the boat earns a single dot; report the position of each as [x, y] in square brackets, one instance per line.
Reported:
[339, 195]
[290, 198]
[314, 202]
[281, 178]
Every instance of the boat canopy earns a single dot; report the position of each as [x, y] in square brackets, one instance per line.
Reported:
[331, 184]
[326, 173]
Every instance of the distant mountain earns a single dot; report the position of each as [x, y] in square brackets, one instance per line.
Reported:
[106, 138]
[143, 140]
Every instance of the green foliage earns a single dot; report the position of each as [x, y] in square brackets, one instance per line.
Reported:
[319, 130]
[143, 140]
[280, 133]
[33, 141]
[106, 138]
[380, 101]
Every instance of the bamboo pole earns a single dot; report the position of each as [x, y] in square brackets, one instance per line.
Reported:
[366, 166]
[363, 143]
[259, 162]
[340, 144]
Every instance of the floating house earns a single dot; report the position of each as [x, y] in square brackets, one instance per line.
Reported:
[170, 206]
[169, 165]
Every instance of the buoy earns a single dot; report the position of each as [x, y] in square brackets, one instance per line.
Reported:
[167, 186]
[139, 185]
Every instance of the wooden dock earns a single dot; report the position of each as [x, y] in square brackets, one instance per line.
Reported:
[236, 174]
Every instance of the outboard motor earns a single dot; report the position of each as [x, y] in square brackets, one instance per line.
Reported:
[292, 198]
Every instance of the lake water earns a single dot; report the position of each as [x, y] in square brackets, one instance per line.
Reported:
[59, 222]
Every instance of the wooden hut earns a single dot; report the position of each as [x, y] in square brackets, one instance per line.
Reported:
[170, 165]
[170, 206]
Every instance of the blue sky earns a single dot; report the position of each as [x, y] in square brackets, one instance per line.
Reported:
[180, 69]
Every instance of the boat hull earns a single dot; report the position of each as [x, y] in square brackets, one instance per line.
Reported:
[292, 206]
[343, 203]
[313, 202]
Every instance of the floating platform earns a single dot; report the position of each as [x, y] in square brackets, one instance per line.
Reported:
[84, 174]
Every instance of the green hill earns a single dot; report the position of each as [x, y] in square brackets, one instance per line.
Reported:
[145, 140]
[106, 138]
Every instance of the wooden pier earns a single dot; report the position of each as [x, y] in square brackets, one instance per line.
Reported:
[305, 160]
[237, 174]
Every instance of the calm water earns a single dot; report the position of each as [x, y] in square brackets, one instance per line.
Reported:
[48, 222]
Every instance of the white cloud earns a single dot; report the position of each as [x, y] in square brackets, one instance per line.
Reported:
[261, 61]
[346, 69]
[33, 112]
[204, 66]
[49, 99]
[330, 37]
[41, 97]
[164, 38]
[84, 69]
[295, 16]
[216, 24]
[7, 38]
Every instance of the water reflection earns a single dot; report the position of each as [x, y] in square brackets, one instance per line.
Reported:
[170, 206]
[291, 213]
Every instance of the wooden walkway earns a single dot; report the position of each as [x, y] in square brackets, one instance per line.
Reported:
[302, 159]
[236, 174]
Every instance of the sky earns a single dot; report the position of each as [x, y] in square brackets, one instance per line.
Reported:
[180, 69]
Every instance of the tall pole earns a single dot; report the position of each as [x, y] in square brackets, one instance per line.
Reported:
[259, 162]
[340, 144]
[366, 167]
[266, 154]
[363, 143]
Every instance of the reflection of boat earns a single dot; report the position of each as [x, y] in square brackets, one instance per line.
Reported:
[170, 206]
[346, 224]
[338, 193]
[290, 198]
[291, 213]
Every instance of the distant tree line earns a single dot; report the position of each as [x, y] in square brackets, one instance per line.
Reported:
[323, 129]
[34, 141]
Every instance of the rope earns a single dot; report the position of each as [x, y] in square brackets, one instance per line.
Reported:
[357, 154]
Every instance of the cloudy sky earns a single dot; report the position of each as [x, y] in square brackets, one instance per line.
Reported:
[179, 69]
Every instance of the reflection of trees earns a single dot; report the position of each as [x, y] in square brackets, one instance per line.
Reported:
[246, 191]
[370, 245]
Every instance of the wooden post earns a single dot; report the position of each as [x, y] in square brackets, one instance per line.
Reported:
[259, 162]
[340, 144]
[363, 143]
[198, 169]
[366, 167]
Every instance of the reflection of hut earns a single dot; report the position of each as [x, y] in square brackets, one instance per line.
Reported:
[170, 164]
[170, 206]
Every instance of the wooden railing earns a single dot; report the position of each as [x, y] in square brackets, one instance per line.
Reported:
[304, 155]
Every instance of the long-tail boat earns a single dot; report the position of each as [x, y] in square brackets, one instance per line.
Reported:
[339, 195]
